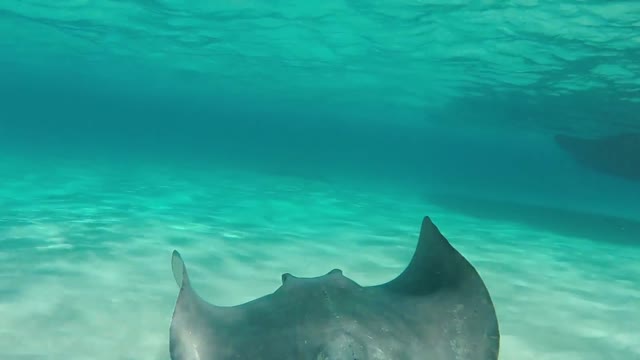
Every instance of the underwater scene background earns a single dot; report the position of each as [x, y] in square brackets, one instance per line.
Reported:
[263, 137]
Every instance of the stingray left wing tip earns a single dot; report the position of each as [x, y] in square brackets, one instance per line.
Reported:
[178, 268]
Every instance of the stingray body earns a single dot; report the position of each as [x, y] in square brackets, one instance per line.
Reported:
[617, 155]
[438, 308]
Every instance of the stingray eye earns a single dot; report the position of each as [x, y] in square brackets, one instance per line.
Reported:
[285, 277]
[335, 271]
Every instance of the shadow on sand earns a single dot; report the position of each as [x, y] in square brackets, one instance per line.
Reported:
[597, 227]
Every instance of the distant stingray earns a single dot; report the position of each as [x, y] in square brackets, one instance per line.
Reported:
[437, 309]
[617, 155]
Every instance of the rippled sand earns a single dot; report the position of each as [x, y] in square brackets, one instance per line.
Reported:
[85, 259]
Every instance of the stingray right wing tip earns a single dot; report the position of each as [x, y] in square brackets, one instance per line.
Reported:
[427, 220]
[428, 228]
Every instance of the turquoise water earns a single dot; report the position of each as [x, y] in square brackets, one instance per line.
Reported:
[259, 138]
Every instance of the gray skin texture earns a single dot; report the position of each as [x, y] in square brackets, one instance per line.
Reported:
[438, 308]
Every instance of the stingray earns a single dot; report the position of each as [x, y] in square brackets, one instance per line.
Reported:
[438, 308]
[617, 155]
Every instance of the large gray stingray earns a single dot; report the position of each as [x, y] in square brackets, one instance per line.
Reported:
[437, 309]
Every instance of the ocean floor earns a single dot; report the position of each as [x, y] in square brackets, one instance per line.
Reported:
[85, 258]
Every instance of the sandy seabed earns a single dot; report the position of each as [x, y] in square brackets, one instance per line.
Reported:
[85, 259]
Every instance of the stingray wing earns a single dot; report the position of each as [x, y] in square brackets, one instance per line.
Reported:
[194, 334]
[446, 292]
